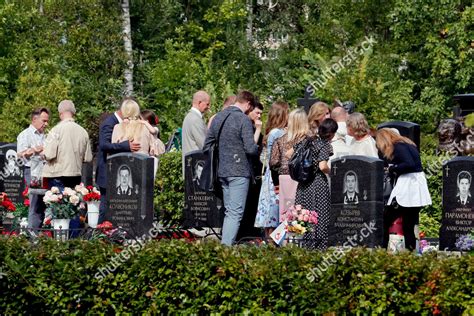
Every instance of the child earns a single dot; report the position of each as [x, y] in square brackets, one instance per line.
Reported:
[150, 119]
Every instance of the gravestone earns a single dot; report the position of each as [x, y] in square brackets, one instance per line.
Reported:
[11, 173]
[201, 209]
[464, 104]
[458, 204]
[87, 173]
[356, 217]
[307, 101]
[407, 129]
[130, 192]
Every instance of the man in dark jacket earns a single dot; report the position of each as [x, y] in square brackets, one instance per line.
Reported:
[105, 148]
[236, 144]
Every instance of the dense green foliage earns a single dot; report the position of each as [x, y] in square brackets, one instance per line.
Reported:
[422, 54]
[181, 277]
[169, 188]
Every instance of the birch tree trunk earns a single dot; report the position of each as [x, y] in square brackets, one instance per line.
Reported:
[127, 40]
[249, 21]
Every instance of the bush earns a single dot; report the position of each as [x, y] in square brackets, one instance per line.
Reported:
[180, 277]
[169, 188]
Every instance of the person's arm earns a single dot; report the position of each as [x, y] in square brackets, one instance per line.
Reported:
[275, 155]
[105, 141]
[258, 130]
[250, 147]
[324, 167]
[198, 132]
[88, 152]
[51, 144]
[153, 130]
[23, 150]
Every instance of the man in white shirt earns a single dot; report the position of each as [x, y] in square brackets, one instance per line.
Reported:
[194, 129]
[29, 147]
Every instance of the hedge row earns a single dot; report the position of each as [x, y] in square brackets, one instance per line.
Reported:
[178, 276]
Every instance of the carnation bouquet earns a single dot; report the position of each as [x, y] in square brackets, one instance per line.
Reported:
[62, 205]
[299, 219]
[89, 193]
[7, 208]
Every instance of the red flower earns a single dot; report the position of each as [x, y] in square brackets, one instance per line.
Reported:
[25, 192]
[105, 225]
[89, 187]
[27, 202]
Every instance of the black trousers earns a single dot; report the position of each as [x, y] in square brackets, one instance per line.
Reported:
[410, 218]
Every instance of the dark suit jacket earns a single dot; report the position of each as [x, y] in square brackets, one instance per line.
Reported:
[107, 148]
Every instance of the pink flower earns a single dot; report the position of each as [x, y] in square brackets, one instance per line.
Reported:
[305, 212]
[305, 218]
[298, 207]
[300, 217]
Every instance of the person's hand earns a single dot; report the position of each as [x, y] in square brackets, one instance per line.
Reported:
[134, 146]
[258, 124]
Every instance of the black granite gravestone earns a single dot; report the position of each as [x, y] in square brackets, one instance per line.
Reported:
[356, 217]
[12, 172]
[458, 204]
[464, 104]
[130, 192]
[201, 209]
[407, 129]
[87, 173]
[307, 101]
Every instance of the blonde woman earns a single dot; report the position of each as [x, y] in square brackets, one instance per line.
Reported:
[281, 153]
[410, 192]
[317, 114]
[268, 207]
[133, 129]
[363, 144]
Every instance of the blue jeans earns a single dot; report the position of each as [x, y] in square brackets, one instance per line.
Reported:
[235, 191]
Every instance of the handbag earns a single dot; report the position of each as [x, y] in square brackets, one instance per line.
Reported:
[209, 179]
[301, 163]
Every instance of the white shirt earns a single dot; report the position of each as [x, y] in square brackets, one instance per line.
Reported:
[339, 148]
[364, 147]
[342, 132]
[118, 117]
[411, 190]
[197, 111]
[30, 138]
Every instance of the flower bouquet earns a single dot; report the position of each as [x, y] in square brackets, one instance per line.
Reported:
[7, 208]
[91, 196]
[63, 205]
[295, 222]
[299, 219]
[465, 243]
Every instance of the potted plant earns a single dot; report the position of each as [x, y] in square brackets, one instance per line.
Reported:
[61, 207]
[91, 196]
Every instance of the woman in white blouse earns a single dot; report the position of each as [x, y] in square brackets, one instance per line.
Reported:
[363, 144]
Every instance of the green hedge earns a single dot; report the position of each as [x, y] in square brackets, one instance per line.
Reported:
[169, 188]
[183, 277]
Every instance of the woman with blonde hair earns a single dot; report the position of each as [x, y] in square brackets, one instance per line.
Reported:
[132, 128]
[268, 208]
[317, 114]
[410, 192]
[363, 144]
[298, 130]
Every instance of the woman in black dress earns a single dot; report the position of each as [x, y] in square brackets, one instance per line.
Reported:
[314, 196]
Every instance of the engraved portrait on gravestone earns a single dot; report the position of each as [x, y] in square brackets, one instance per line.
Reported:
[463, 197]
[351, 188]
[124, 182]
[197, 171]
[11, 167]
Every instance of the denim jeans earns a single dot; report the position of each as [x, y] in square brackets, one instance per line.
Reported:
[235, 195]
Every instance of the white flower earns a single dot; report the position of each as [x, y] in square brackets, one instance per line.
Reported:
[95, 190]
[84, 191]
[74, 199]
[55, 190]
[69, 192]
[78, 188]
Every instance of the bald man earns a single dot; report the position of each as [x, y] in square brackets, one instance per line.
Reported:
[194, 128]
